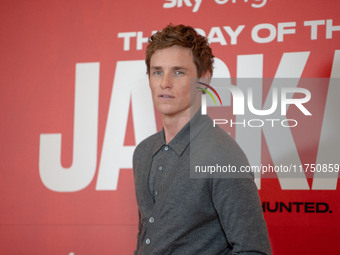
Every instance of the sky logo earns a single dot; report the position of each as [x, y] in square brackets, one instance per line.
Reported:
[179, 3]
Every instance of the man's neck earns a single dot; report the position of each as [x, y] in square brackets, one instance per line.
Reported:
[172, 124]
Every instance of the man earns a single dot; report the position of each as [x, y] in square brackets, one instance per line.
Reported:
[179, 214]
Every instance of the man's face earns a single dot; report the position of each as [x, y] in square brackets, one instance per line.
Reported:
[171, 70]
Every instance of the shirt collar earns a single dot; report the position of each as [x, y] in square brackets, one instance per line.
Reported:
[185, 135]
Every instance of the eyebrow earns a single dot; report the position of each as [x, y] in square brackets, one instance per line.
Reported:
[174, 68]
[156, 67]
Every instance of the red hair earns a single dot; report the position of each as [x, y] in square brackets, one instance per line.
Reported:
[184, 36]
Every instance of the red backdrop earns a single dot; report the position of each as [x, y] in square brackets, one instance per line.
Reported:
[73, 83]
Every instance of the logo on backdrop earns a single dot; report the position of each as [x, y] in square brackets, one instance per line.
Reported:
[83, 170]
[195, 4]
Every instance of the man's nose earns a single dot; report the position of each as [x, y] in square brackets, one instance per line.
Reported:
[166, 81]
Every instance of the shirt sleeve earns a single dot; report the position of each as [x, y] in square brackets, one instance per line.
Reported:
[138, 234]
[134, 164]
[238, 205]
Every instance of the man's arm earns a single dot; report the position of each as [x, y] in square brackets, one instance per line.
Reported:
[138, 234]
[238, 205]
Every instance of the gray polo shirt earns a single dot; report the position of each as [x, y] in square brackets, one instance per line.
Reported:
[183, 215]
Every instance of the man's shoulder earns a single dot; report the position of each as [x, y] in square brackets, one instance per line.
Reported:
[146, 145]
[219, 146]
[149, 141]
[216, 138]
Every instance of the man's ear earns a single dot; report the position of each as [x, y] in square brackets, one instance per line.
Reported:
[205, 78]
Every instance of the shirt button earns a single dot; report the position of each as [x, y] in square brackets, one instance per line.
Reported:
[151, 219]
[156, 193]
[160, 168]
[147, 241]
[166, 148]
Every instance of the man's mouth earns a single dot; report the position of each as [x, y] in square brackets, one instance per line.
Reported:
[166, 96]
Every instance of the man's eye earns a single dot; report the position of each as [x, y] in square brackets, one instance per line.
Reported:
[179, 73]
[157, 73]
